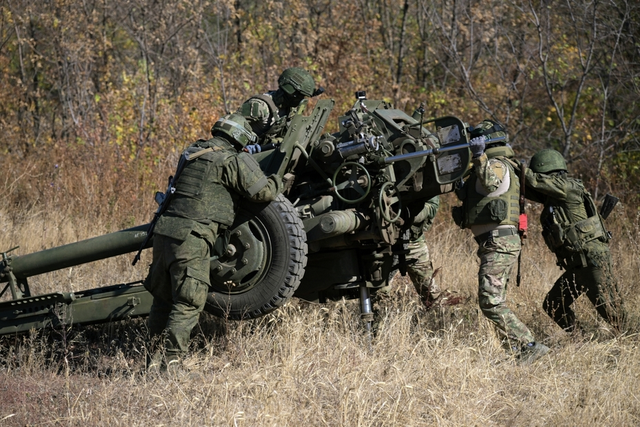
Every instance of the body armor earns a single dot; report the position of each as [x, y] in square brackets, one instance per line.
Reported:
[260, 108]
[482, 208]
[568, 227]
[264, 116]
[201, 195]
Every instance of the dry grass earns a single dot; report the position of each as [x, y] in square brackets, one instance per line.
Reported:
[311, 364]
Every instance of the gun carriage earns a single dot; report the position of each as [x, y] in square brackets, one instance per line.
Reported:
[333, 233]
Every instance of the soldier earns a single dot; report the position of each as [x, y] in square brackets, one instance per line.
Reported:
[575, 232]
[268, 113]
[418, 260]
[215, 176]
[490, 209]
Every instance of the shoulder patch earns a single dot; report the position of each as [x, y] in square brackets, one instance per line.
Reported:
[499, 168]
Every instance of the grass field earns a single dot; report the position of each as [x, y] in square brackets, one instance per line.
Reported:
[310, 364]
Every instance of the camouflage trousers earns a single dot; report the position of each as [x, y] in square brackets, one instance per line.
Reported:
[420, 269]
[497, 256]
[179, 282]
[596, 279]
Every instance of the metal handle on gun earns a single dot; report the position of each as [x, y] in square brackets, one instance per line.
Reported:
[436, 150]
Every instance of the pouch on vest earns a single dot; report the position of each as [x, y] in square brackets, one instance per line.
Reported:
[592, 212]
[498, 209]
[584, 231]
[590, 228]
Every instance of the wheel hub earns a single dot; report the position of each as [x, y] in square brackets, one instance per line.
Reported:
[244, 259]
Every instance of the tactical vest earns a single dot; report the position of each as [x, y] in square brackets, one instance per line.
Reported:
[274, 112]
[276, 124]
[564, 228]
[503, 209]
[199, 194]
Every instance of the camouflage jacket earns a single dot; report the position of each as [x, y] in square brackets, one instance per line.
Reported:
[569, 219]
[555, 189]
[209, 187]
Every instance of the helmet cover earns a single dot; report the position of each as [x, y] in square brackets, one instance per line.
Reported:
[237, 128]
[491, 129]
[296, 79]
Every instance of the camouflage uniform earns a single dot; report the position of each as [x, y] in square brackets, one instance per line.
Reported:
[574, 231]
[418, 260]
[419, 265]
[203, 205]
[264, 114]
[270, 113]
[490, 196]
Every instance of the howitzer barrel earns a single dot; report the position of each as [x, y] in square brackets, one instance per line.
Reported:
[94, 249]
[423, 153]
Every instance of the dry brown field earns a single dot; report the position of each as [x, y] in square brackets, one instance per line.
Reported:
[312, 365]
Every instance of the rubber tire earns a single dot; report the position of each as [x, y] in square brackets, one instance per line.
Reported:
[285, 258]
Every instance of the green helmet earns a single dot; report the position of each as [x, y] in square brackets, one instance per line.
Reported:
[491, 130]
[296, 79]
[545, 161]
[237, 128]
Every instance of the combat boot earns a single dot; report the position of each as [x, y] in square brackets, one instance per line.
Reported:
[532, 352]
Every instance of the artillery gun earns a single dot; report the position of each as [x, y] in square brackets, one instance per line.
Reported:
[333, 233]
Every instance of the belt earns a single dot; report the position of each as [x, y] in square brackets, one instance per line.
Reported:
[499, 232]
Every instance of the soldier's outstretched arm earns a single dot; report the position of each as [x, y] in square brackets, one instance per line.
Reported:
[533, 195]
[429, 210]
[547, 185]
